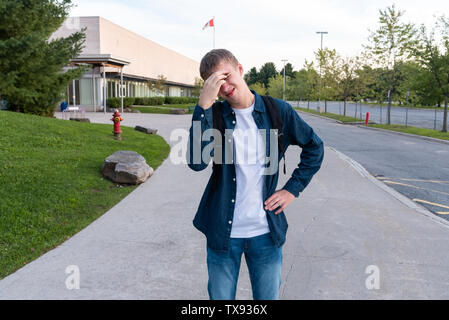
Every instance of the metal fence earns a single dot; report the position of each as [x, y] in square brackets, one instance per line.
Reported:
[430, 118]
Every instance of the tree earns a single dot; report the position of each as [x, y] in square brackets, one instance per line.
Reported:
[259, 88]
[310, 83]
[348, 76]
[328, 60]
[267, 71]
[276, 86]
[421, 84]
[31, 66]
[158, 86]
[288, 71]
[198, 87]
[435, 58]
[376, 82]
[252, 76]
[391, 43]
[306, 82]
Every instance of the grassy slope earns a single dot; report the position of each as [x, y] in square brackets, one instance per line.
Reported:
[51, 184]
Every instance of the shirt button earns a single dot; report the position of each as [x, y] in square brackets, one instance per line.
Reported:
[229, 140]
[230, 221]
[233, 121]
[232, 200]
[233, 179]
[202, 116]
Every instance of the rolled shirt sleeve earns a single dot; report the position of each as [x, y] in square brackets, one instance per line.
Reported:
[312, 154]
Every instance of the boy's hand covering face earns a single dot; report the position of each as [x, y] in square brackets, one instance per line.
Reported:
[211, 88]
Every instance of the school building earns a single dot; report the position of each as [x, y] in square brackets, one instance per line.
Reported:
[121, 64]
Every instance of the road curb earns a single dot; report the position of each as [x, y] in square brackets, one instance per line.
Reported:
[409, 203]
[380, 129]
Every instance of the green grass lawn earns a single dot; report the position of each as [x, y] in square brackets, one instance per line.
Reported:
[414, 130]
[330, 115]
[165, 109]
[51, 184]
[394, 127]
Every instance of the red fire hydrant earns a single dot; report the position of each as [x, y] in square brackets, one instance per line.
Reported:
[116, 118]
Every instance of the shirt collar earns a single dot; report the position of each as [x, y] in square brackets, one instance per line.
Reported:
[258, 105]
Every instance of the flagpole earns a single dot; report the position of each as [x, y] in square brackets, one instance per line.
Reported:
[214, 30]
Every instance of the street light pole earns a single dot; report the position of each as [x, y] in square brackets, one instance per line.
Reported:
[319, 88]
[283, 91]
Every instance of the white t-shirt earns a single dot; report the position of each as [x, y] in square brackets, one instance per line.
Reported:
[249, 155]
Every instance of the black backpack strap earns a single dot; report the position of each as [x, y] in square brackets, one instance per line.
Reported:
[218, 123]
[276, 121]
[217, 117]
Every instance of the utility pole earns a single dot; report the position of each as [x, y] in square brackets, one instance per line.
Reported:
[283, 91]
[319, 88]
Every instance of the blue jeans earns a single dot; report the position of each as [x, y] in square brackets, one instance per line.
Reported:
[264, 262]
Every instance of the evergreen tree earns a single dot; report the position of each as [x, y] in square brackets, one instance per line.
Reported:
[31, 65]
[252, 76]
[288, 71]
[267, 71]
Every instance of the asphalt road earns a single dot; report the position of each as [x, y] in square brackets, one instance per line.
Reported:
[417, 168]
[422, 118]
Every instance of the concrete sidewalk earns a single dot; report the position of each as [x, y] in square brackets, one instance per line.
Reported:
[345, 221]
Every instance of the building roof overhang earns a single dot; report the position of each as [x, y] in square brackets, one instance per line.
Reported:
[100, 59]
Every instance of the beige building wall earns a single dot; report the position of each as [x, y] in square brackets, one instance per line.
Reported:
[74, 24]
[147, 58]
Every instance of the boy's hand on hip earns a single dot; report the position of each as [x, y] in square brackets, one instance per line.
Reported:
[281, 198]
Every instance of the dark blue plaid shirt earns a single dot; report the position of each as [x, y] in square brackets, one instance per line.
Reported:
[215, 212]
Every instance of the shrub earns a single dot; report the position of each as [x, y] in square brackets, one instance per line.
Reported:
[128, 101]
[149, 101]
[180, 100]
[113, 103]
[116, 102]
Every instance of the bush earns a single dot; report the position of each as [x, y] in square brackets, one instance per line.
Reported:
[149, 101]
[113, 103]
[116, 102]
[128, 102]
[180, 100]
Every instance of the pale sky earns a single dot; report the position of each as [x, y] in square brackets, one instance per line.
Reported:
[257, 31]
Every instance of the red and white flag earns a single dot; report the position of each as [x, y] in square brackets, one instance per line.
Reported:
[210, 23]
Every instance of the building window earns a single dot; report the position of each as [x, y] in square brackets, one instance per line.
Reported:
[111, 91]
[132, 90]
[77, 93]
[86, 92]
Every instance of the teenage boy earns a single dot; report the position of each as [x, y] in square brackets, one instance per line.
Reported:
[240, 211]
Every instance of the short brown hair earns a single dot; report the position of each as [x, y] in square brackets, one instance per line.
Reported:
[213, 58]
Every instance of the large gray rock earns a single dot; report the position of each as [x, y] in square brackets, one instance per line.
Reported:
[126, 167]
